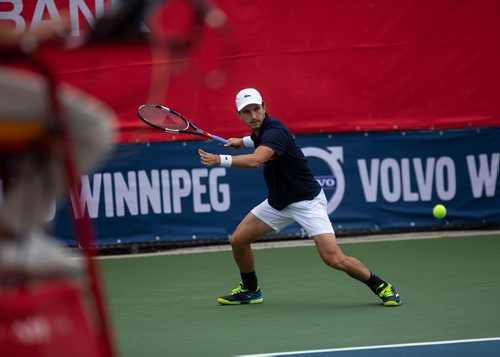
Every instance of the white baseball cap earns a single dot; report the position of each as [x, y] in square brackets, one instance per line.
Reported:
[247, 96]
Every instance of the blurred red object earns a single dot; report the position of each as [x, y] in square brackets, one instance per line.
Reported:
[46, 320]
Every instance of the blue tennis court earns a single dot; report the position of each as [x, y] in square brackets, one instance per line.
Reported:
[461, 348]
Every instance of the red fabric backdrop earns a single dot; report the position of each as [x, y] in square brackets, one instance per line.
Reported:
[321, 66]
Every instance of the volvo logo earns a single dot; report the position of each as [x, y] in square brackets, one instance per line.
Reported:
[333, 184]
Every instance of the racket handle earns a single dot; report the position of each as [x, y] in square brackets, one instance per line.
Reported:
[219, 139]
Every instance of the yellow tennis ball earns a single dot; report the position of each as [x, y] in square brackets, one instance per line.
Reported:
[439, 211]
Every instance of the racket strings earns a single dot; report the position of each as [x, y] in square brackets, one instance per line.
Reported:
[164, 119]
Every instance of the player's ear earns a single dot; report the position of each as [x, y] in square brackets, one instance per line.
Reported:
[264, 106]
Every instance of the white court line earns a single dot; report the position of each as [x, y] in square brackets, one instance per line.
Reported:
[374, 347]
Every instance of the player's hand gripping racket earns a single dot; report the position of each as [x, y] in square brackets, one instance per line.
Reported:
[169, 120]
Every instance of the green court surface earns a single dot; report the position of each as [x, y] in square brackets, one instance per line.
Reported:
[166, 305]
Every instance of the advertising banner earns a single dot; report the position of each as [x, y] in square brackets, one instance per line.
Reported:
[376, 65]
[160, 192]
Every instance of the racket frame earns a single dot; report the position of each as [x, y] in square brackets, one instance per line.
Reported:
[195, 130]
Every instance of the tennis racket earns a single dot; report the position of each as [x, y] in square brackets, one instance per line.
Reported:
[169, 120]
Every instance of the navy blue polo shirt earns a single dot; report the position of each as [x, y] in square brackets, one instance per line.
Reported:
[287, 174]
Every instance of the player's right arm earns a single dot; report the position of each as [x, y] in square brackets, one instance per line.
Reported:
[252, 161]
[260, 156]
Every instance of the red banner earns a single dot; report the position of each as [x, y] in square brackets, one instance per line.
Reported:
[321, 66]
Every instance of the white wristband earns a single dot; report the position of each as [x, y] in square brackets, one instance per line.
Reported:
[226, 160]
[248, 142]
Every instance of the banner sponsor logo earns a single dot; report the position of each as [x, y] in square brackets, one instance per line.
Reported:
[408, 179]
[393, 179]
[416, 179]
[333, 184]
[155, 191]
[27, 15]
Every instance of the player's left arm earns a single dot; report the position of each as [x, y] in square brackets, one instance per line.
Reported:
[254, 160]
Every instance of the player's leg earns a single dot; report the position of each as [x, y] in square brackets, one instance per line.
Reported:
[313, 217]
[261, 220]
[333, 256]
[247, 292]
[250, 229]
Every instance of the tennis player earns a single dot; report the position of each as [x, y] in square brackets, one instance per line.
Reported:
[293, 196]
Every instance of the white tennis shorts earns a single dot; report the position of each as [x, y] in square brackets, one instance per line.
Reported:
[311, 215]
